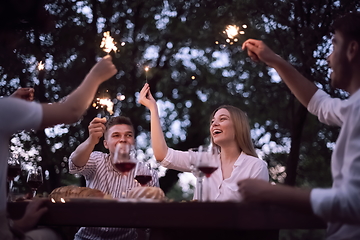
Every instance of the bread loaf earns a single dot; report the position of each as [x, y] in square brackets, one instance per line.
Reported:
[75, 192]
[147, 192]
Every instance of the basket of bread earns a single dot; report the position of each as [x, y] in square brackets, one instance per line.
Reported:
[146, 194]
[75, 192]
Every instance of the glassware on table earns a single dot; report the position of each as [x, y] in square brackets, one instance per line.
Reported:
[143, 173]
[195, 155]
[205, 161]
[14, 194]
[14, 170]
[124, 158]
[34, 179]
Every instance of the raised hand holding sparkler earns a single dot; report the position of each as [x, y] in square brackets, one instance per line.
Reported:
[96, 129]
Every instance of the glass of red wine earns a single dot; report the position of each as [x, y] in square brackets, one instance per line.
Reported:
[124, 158]
[143, 173]
[194, 158]
[34, 179]
[205, 161]
[14, 170]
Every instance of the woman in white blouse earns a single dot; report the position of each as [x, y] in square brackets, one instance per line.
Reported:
[230, 132]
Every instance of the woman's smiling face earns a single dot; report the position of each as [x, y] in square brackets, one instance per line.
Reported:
[222, 127]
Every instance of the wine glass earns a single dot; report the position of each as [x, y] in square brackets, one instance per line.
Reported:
[206, 161]
[34, 179]
[14, 169]
[124, 158]
[195, 155]
[143, 173]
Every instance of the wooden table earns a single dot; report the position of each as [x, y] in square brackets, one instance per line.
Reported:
[190, 220]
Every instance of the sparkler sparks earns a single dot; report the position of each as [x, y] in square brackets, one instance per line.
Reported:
[104, 103]
[107, 43]
[41, 66]
[231, 32]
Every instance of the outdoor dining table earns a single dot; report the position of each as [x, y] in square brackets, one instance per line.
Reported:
[178, 220]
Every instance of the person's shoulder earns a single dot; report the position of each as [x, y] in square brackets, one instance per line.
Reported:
[253, 160]
[354, 99]
[13, 100]
[20, 114]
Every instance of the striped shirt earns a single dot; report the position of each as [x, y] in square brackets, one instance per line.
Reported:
[100, 174]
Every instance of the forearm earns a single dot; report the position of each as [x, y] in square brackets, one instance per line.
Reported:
[82, 153]
[74, 105]
[300, 86]
[158, 142]
[289, 196]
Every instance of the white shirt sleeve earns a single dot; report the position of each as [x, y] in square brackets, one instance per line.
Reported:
[327, 109]
[17, 115]
[178, 160]
[341, 203]
[90, 168]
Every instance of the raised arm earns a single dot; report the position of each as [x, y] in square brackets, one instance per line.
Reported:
[82, 153]
[300, 86]
[79, 100]
[158, 143]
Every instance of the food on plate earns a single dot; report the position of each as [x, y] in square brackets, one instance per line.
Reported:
[147, 192]
[76, 192]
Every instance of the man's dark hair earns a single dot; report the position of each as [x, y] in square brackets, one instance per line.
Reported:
[349, 26]
[117, 121]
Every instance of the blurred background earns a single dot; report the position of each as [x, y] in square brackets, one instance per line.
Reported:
[194, 66]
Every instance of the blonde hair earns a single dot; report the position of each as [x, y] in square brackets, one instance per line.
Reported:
[241, 128]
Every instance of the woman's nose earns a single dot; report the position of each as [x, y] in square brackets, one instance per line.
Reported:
[214, 123]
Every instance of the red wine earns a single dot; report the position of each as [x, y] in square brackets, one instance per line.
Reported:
[143, 179]
[125, 166]
[13, 171]
[34, 184]
[207, 170]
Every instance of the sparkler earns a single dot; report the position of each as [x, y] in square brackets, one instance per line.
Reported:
[104, 104]
[41, 66]
[107, 43]
[40, 75]
[146, 70]
[231, 32]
